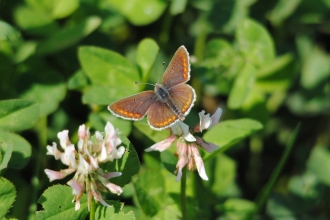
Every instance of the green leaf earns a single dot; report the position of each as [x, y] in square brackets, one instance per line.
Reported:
[68, 36]
[230, 132]
[254, 106]
[57, 204]
[305, 186]
[8, 150]
[18, 115]
[316, 68]
[282, 10]
[178, 7]
[78, 80]
[105, 95]
[7, 198]
[319, 164]
[114, 212]
[105, 67]
[8, 33]
[235, 208]
[278, 75]
[255, 43]
[25, 50]
[129, 164]
[153, 135]
[57, 9]
[35, 21]
[146, 55]
[47, 89]
[169, 161]
[150, 191]
[242, 86]
[277, 64]
[140, 12]
[223, 171]
[218, 52]
[22, 149]
[64, 8]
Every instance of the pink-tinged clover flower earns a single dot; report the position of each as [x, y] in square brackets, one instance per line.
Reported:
[84, 161]
[187, 144]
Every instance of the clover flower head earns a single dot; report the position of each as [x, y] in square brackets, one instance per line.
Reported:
[187, 144]
[84, 160]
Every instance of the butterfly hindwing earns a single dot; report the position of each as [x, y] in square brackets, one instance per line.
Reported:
[183, 96]
[160, 116]
[134, 107]
[178, 71]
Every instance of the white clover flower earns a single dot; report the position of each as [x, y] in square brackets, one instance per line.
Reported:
[187, 144]
[85, 160]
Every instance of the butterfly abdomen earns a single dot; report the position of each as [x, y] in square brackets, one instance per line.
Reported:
[164, 96]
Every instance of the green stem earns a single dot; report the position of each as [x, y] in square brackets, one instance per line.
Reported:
[183, 194]
[263, 195]
[92, 211]
[41, 131]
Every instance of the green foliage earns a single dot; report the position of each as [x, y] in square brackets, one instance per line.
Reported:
[57, 203]
[8, 195]
[265, 63]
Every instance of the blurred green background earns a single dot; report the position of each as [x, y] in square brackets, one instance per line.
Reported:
[264, 60]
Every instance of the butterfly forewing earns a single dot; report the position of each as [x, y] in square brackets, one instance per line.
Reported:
[183, 96]
[160, 116]
[134, 107]
[178, 71]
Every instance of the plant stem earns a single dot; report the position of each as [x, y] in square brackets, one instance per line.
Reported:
[41, 131]
[183, 193]
[92, 211]
[261, 198]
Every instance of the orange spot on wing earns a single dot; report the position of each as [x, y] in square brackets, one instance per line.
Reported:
[130, 114]
[137, 115]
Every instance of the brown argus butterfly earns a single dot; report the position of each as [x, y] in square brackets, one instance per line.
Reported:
[169, 102]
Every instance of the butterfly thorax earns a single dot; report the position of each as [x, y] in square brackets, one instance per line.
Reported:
[164, 96]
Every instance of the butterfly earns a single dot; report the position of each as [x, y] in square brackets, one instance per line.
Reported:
[168, 103]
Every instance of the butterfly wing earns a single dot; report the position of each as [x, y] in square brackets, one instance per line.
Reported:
[183, 96]
[178, 71]
[134, 107]
[160, 116]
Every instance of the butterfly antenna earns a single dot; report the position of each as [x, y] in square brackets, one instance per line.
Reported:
[145, 83]
[162, 71]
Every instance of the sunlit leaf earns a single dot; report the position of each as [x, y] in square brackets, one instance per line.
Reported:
[113, 212]
[178, 7]
[282, 10]
[255, 43]
[7, 198]
[242, 86]
[57, 203]
[35, 21]
[106, 67]
[8, 33]
[155, 136]
[105, 95]
[146, 55]
[319, 164]
[6, 154]
[19, 114]
[316, 68]
[150, 190]
[227, 133]
[21, 152]
[140, 12]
